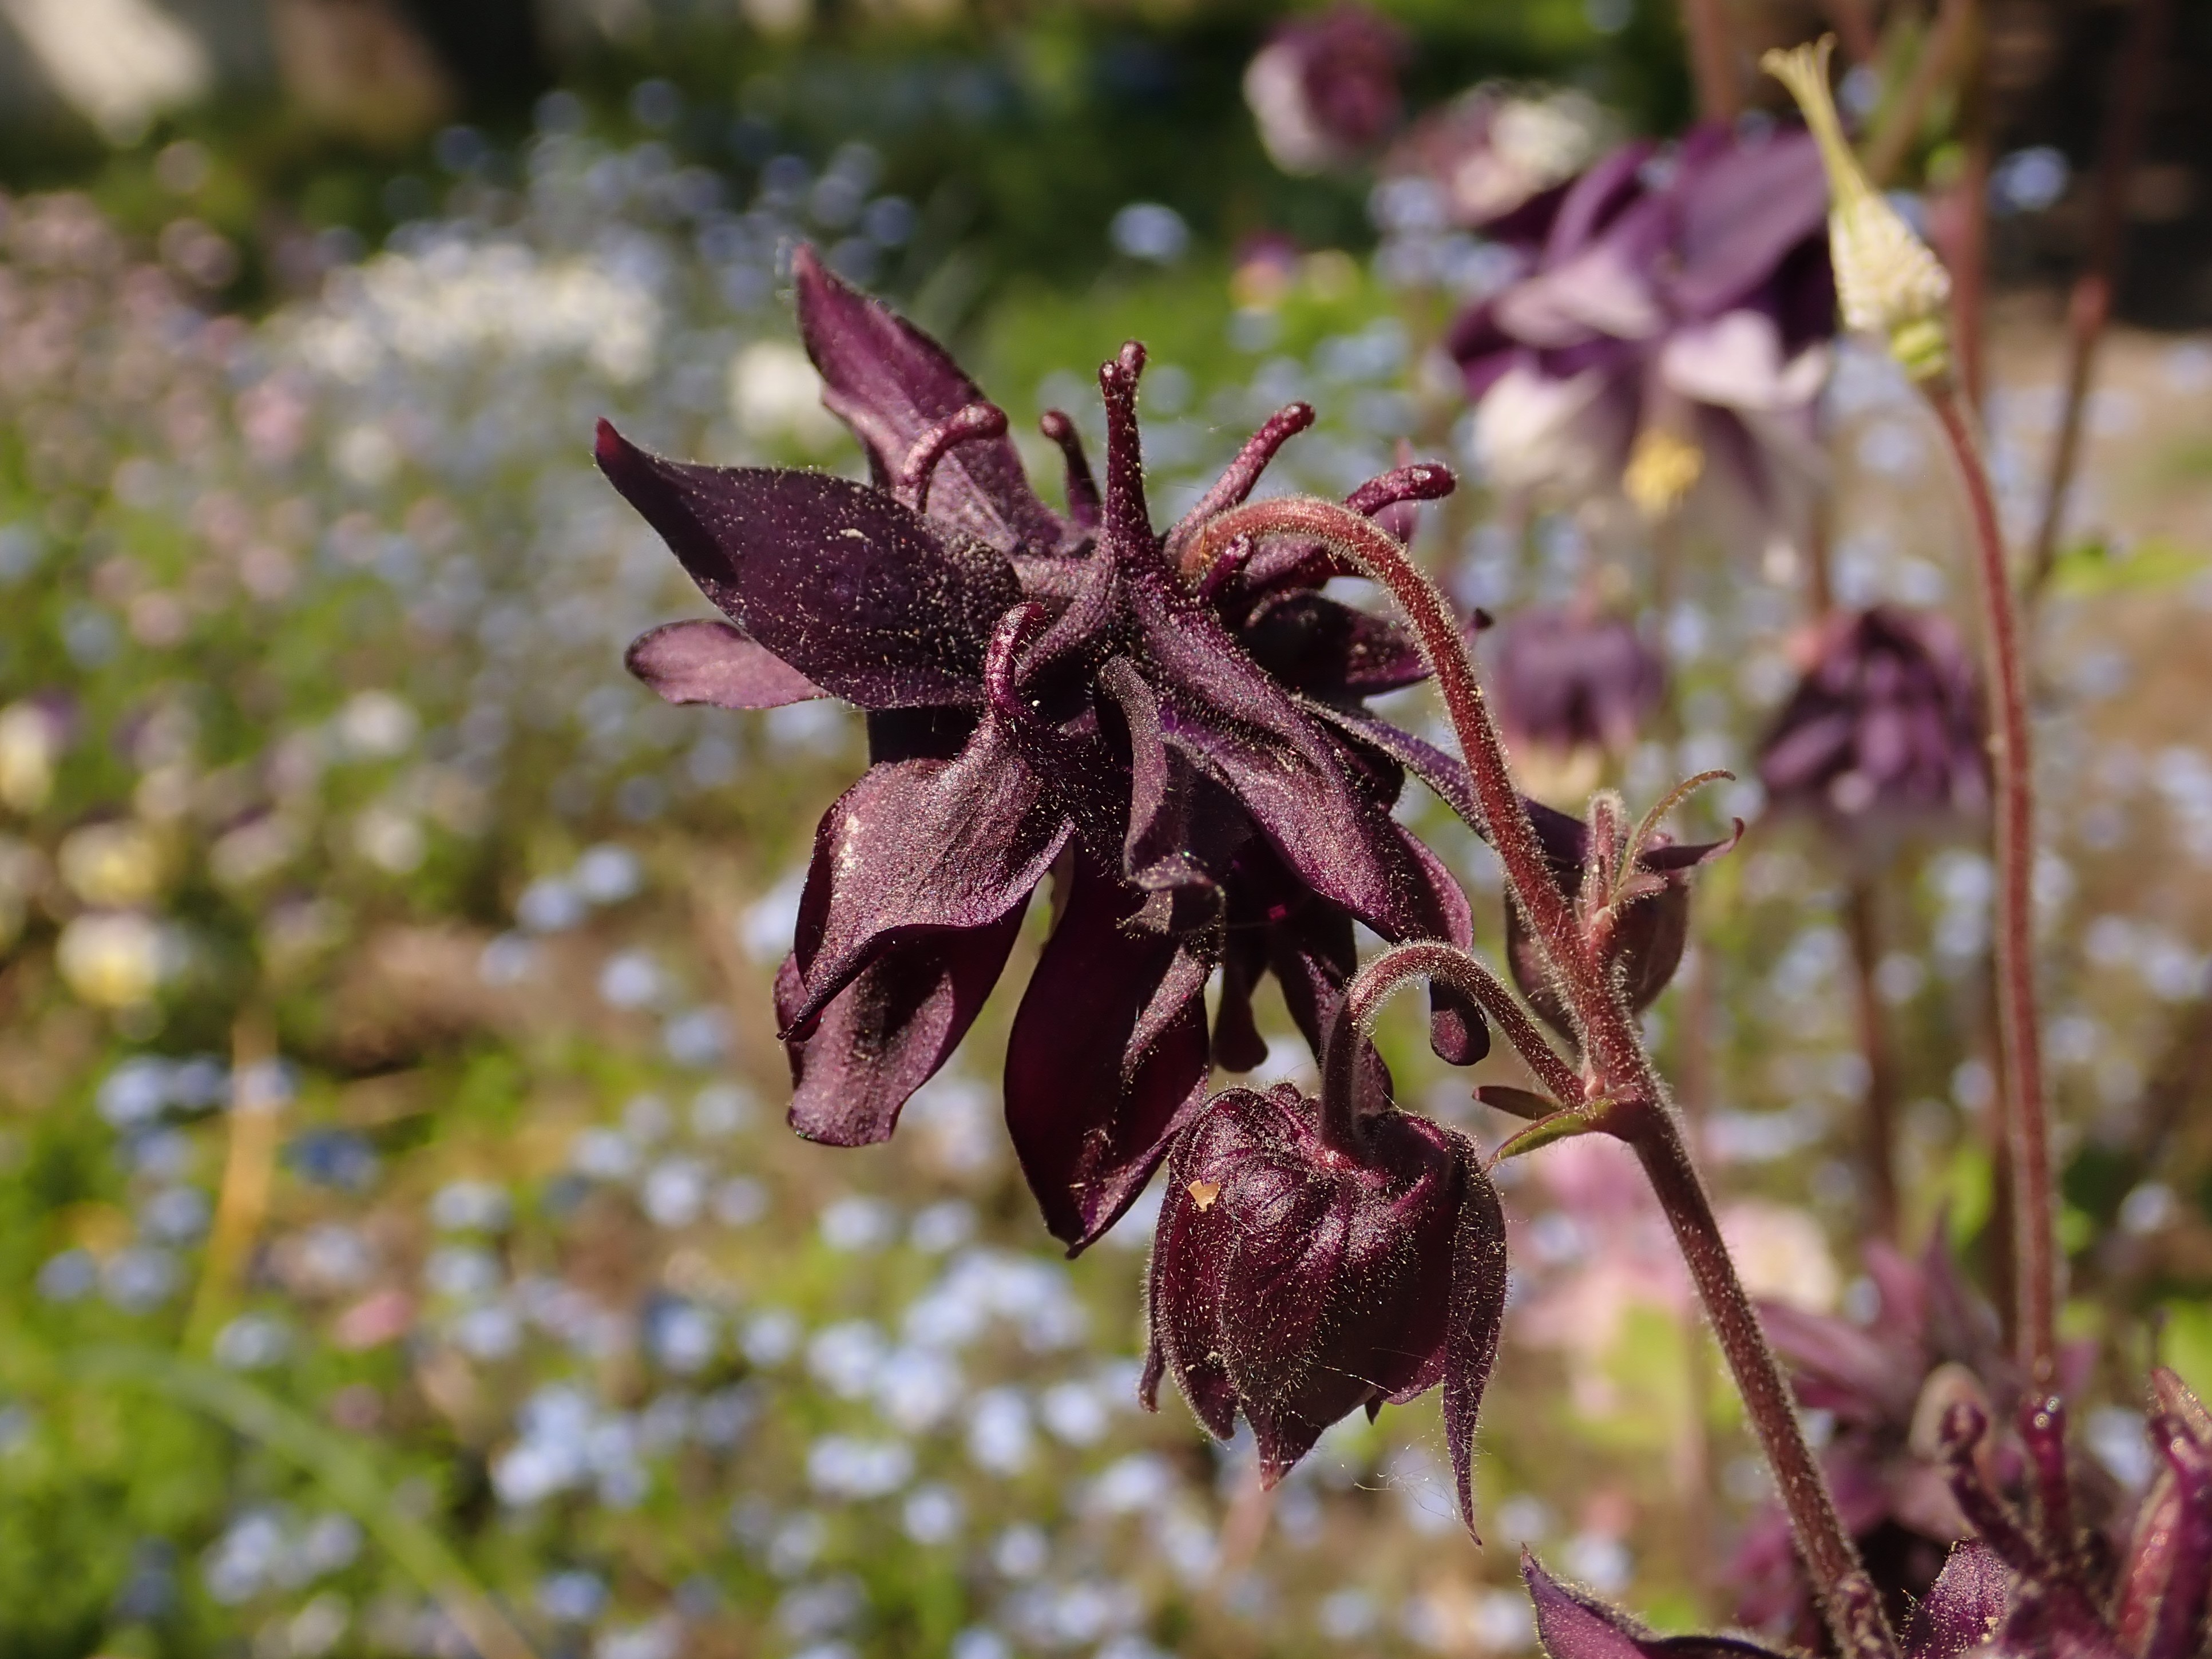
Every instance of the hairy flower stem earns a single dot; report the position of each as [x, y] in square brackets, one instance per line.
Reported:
[1712, 62]
[1433, 959]
[1621, 1069]
[2012, 762]
[1831, 1561]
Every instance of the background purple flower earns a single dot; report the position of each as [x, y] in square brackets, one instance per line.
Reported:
[1680, 295]
[1500, 160]
[1567, 678]
[1884, 730]
[1324, 89]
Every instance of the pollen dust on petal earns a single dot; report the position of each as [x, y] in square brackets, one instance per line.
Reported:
[1203, 1193]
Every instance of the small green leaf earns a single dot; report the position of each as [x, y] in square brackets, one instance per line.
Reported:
[1519, 1103]
[2093, 568]
[1560, 1126]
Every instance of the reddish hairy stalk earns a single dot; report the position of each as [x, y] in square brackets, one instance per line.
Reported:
[1847, 1596]
[2012, 765]
[1434, 959]
[2092, 303]
[1620, 1070]
[1712, 64]
[1505, 819]
[1854, 25]
[1968, 256]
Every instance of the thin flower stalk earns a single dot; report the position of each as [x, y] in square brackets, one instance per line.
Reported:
[1889, 285]
[1712, 62]
[1620, 1071]
[2011, 763]
[1434, 959]
[1436, 629]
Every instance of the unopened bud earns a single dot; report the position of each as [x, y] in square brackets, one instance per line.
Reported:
[1889, 281]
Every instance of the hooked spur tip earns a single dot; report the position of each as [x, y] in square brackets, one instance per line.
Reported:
[1963, 1426]
[1119, 374]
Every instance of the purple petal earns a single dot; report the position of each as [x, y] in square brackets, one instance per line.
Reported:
[1183, 1299]
[1966, 1607]
[887, 1033]
[920, 846]
[864, 599]
[1743, 213]
[1594, 200]
[1184, 828]
[1838, 1366]
[1478, 1311]
[890, 383]
[1574, 1625]
[1330, 651]
[1107, 1058]
[711, 662]
[1224, 711]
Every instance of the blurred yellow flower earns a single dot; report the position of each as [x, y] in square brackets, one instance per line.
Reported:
[1662, 468]
[30, 743]
[111, 864]
[111, 958]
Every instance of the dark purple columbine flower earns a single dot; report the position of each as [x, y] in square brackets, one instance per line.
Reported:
[1884, 731]
[1568, 678]
[1046, 694]
[1324, 89]
[1673, 325]
[1887, 1384]
[2038, 1588]
[1315, 1257]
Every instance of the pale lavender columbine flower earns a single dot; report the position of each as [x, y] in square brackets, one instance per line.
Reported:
[1673, 328]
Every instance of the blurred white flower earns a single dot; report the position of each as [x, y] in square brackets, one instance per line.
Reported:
[775, 394]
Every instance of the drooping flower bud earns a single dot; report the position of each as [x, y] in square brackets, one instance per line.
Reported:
[1312, 1260]
[1889, 281]
[1644, 919]
[1884, 730]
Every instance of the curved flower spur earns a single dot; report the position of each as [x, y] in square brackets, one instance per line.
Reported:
[1048, 693]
